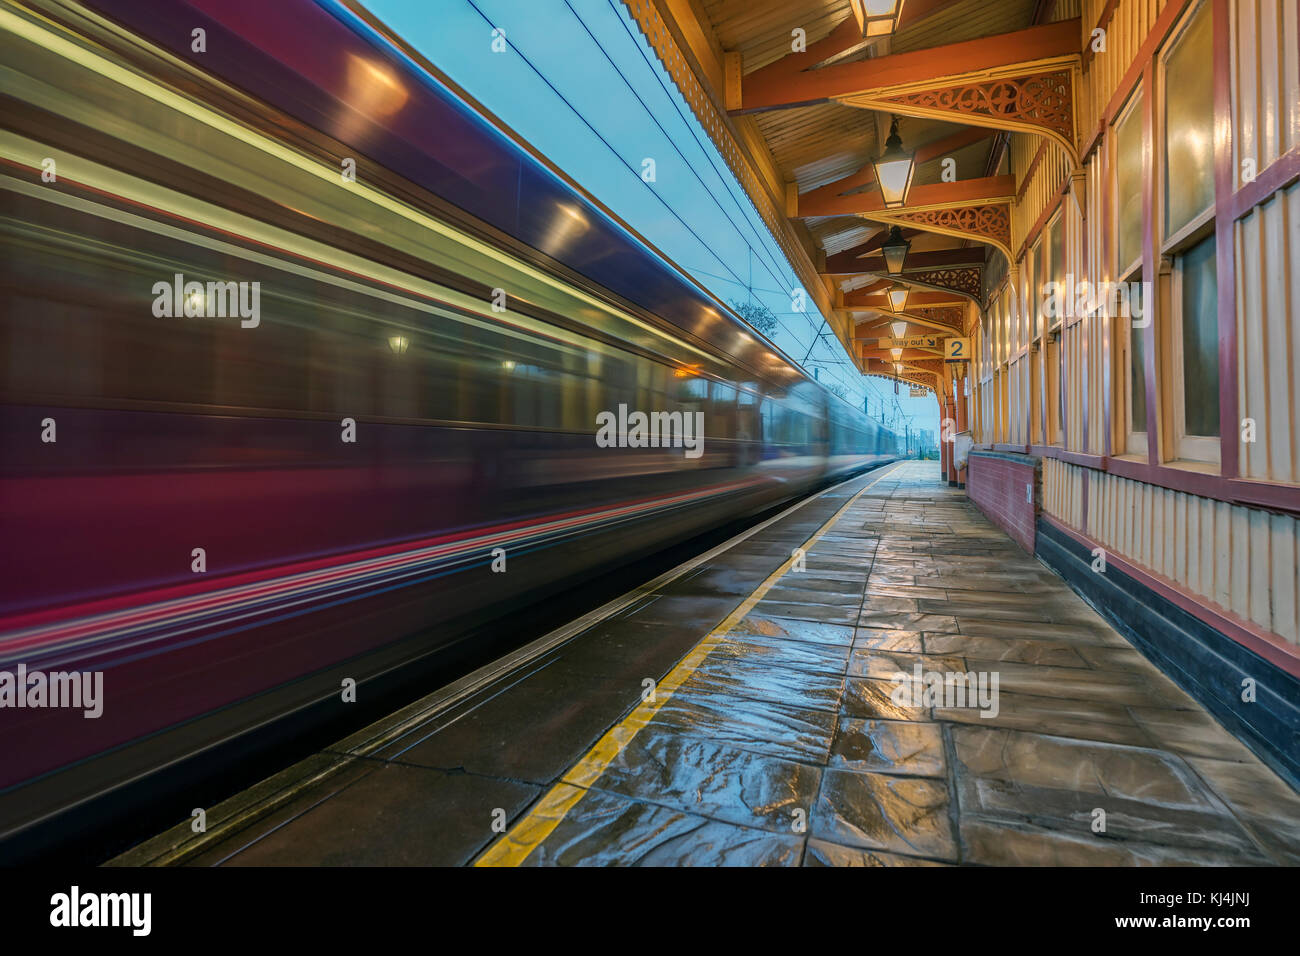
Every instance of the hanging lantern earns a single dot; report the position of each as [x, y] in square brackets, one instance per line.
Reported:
[877, 18]
[896, 354]
[898, 297]
[898, 327]
[894, 249]
[894, 170]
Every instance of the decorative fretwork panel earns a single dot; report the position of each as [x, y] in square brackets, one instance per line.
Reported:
[966, 280]
[988, 223]
[1042, 100]
[951, 316]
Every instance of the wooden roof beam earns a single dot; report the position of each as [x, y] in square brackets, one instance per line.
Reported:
[852, 262]
[909, 355]
[880, 302]
[882, 320]
[926, 152]
[846, 39]
[790, 81]
[963, 192]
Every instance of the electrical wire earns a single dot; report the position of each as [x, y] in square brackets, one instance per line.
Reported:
[757, 249]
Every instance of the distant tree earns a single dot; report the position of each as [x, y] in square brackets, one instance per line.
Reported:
[838, 389]
[758, 315]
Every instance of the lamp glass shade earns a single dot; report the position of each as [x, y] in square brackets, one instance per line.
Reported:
[895, 178]
[877, 18]
[894, 249]
[894, 170]
[896, 354]
[899, 328]
[898, 298]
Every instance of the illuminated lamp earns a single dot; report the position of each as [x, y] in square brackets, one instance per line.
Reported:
[898, 297]
[399, 344]
[877, 18]
[899, 328]
[894, 249]
[894, 170]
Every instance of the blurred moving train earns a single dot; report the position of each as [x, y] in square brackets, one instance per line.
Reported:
[227, 517]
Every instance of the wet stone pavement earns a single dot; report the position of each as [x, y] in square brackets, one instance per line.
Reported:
[778, 733]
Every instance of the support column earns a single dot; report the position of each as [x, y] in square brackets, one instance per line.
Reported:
[960, 412]
[945, 452]
[950, 412]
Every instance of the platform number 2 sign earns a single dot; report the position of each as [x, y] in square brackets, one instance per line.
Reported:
[956, 350]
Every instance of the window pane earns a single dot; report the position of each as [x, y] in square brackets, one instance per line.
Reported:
[1128, 184]
[1058, 251]
[1200, 340]
[1137, 373]
[1189, 124]
[1025, 320]
[1138, 380]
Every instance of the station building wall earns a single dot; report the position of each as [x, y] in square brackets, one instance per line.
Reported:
[1168, 434]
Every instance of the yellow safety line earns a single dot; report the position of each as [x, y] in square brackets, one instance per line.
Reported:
[525, 836]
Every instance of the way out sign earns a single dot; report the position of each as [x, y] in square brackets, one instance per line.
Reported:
[956, 350]
[913, 342]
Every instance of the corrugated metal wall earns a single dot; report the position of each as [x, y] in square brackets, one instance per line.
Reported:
[1243, 560]
[1268, 341]
[1266, 96]
[1266, 105]
[1128, 27]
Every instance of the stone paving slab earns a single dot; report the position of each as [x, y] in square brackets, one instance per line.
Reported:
[799, 734]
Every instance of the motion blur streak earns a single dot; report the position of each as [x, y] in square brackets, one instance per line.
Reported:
[130, 441]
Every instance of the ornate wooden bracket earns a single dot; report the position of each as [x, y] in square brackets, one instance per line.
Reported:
[915, 317]
[968, 280]
[873, 298]
[911, 375]
[952, 316]
[1032, 98]
[989, 222]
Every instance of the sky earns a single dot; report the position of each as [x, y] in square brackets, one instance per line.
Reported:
[577, 80]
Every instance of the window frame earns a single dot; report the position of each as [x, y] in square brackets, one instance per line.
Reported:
[1136, 443]
[1177, 449]
[1132, 444]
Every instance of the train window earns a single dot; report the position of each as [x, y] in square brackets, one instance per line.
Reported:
[693, 390]
[536, 396]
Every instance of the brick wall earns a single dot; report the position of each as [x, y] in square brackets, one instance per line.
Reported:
[995, 483]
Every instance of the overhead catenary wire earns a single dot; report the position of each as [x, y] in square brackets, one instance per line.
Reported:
[727, 181]
[608, 145]
[746, 228]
